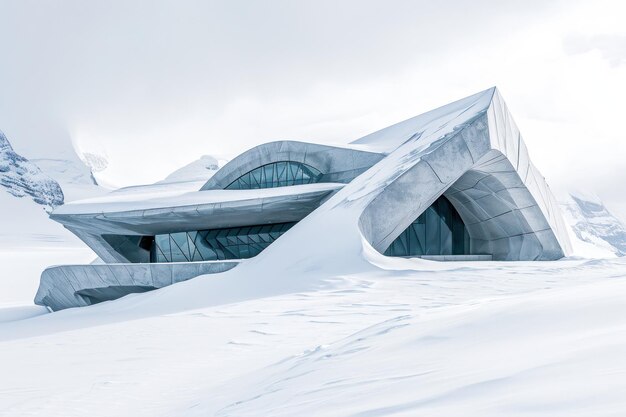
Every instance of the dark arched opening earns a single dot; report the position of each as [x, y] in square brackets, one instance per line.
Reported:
[439, 230]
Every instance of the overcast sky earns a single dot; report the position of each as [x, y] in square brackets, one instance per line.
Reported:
[153, 85]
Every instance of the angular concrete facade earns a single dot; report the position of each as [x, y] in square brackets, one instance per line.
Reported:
[483, 168]
[455, 183]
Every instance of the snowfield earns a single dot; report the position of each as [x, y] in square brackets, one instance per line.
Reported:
[319, 324]
[29, 243]
[405, 338]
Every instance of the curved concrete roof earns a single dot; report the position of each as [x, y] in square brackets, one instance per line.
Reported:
[188, 211]
[336, 164]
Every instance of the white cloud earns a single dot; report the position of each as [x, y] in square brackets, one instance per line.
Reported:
[611, 47]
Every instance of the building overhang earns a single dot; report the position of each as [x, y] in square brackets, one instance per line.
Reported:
[197, 210]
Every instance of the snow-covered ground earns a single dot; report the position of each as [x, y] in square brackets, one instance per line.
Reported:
[29, 243]
[409, 338]
[315, 332]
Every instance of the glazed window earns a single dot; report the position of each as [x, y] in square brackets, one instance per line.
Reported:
[277, 174]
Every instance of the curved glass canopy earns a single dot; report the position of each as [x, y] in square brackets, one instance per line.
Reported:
[277, 174]
[438, 231]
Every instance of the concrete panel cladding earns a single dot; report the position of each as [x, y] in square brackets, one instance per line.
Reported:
[482, 166]
[81, 285]
[336, 164]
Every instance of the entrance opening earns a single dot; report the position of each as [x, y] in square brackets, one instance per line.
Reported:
[438, 231]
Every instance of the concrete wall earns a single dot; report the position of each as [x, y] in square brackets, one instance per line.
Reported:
[484, 170]
[61, 286]
[500, 213]
[407, 196]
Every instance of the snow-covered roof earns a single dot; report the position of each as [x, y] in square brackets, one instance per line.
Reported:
[429, 123]
[169, 195]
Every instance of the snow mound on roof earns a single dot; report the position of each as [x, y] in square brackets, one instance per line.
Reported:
[180, 194]
[199, 170]
[390, 138]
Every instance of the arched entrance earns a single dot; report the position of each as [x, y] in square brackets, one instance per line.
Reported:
[439, 230]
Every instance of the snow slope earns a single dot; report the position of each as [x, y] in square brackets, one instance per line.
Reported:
[199, 170]
[557, 353]
[29, 243]
[411, 339]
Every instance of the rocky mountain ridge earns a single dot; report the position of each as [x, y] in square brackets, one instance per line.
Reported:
[22, 178]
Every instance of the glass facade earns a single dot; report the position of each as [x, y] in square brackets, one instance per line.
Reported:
[134, 248]
[216, 244]
[437, 231]
[277, 174]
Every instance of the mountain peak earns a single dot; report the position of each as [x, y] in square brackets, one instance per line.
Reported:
[4, 143]
[21, 178]
[592, 223]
